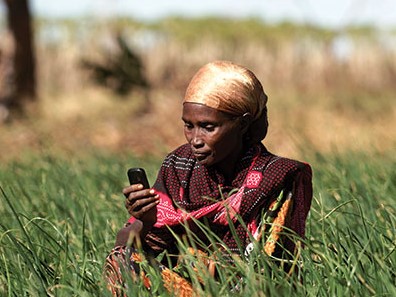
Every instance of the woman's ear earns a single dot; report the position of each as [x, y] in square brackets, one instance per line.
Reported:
[245, 122]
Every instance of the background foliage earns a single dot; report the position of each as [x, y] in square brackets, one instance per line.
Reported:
[319, 82]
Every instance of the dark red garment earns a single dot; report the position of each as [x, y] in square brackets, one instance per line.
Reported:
[193, 188]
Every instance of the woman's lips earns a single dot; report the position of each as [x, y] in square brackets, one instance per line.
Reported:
[200, 155]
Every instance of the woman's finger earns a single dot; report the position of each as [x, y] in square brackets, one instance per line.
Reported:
[138, 206]
[140, 194]
[132, 188]
[149, 206]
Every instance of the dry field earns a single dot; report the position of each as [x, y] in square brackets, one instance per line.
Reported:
[326, 94]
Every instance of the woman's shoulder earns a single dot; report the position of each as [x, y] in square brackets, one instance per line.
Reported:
[276, 169]
[268, 160]
[288, 162]
[181, 155]
[183, 151]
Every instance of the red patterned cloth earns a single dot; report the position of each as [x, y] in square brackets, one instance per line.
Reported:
[189, 191]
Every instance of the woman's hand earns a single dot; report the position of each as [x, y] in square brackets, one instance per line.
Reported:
[141, 204]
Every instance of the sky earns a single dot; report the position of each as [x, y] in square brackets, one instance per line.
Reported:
[328, 13]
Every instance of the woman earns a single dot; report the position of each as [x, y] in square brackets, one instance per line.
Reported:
[223, 176]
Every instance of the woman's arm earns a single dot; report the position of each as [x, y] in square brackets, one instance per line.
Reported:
[130, 234]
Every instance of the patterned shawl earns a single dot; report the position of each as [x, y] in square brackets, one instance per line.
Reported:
[189, 191]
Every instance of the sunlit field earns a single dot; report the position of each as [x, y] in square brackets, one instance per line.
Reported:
[59, 218]
[64, 164]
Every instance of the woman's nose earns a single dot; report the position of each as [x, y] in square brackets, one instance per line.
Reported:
[196, 139]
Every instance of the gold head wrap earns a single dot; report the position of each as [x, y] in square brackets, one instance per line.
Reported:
[230, 88]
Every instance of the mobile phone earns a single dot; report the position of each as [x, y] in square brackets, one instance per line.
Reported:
[138, 176]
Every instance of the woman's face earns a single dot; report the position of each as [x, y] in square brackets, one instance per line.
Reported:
[215, 137]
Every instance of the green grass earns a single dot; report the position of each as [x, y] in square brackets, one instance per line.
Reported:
[59, 217]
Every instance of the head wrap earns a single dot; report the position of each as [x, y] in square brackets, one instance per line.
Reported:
[232, 89]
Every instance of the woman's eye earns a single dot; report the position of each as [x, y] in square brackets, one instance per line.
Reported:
[188, 126]
[209, 128]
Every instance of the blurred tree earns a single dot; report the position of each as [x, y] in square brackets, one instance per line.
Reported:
[121, 72]
[24, 76]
